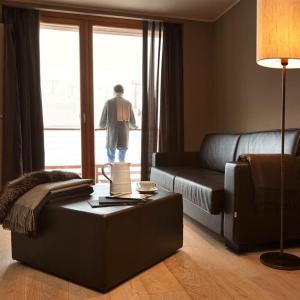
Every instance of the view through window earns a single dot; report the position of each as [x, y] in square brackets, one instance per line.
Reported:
[117, 59]
[60, 81]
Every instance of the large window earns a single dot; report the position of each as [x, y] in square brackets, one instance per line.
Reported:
[117, 57]
[82, 58]
[60, 80]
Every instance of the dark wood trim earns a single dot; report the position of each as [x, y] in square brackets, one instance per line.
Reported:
[56, 19]
[95, 20]
[87, 109]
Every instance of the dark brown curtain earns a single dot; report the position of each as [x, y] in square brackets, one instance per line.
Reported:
[162, 124]
[171, 123]
[23, 119]
[152, 47]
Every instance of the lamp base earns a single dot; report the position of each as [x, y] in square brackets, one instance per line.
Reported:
[281, 261]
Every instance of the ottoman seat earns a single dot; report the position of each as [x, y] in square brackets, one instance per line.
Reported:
[101, 247]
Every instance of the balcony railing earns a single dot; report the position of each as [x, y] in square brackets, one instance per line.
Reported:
[63, 151]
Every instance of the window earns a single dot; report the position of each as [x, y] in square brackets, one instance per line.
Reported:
[117, 59]
[82, 58]
[60, 81]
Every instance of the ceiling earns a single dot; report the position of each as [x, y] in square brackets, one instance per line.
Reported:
[198, 10]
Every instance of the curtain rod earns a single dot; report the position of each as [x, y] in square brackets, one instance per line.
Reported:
[56, 7]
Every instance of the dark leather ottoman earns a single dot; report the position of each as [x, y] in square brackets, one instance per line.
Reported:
[101, 247]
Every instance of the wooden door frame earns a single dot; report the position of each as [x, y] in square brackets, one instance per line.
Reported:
[87, 107]
[85, 24]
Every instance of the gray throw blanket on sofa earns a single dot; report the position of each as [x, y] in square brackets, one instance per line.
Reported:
[23, 198]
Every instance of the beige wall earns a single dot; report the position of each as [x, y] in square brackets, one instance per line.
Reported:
[247, 97]
[197, 49]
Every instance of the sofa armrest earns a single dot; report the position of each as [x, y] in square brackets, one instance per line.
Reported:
[175, 159]
[239, 194]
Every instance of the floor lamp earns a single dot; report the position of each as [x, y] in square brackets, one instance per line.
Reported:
[278, 46]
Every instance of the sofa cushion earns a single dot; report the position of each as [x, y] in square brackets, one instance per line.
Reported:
[218, 149]
[268, 142]
[204, 188]
[163, 177]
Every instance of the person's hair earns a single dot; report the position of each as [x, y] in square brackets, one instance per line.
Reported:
[119, 89]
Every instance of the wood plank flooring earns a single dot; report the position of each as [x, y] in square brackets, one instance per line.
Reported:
[202, 269]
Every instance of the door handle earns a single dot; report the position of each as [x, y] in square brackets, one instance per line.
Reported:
[84, 118]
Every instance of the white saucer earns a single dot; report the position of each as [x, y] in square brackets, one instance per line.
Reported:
[152, 191]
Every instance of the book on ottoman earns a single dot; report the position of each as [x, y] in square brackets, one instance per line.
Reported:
[126, 199]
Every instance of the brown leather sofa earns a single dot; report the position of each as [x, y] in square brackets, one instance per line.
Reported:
[218, 190]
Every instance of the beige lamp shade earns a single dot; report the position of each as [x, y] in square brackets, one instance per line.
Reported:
[278, 33]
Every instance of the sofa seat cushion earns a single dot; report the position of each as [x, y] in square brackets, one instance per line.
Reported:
[164, 177]
[204, 188]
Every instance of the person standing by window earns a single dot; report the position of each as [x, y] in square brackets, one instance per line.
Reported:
[117, 118]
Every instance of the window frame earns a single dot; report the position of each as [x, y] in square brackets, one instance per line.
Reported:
[85, 24]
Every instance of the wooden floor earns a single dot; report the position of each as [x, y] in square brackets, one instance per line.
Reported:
[203, 269]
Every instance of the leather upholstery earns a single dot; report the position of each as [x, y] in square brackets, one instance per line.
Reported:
[218, 149]
[164, 177]
[101, 247]
[225, 202]
[244, 225]
[171, 159]
[238, 185]
[213, 222]
[268, 142]
[204, 188]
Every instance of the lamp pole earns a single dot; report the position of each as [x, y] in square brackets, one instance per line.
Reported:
[284, 63]
[278, 47]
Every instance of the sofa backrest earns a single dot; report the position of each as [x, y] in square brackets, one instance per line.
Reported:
[268, 142]
[218, 149]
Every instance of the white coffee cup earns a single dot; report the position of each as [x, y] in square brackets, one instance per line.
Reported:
[146, 185]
